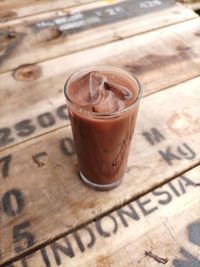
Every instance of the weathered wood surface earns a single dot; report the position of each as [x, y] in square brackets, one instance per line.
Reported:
[41, 196]
[39, 90]
[14, 9]
[70, 10]
[161, 228]
[43, 171]
[29, 41]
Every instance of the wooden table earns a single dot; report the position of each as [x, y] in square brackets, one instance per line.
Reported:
[48, 217]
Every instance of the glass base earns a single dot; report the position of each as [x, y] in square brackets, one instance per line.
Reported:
[99, 187]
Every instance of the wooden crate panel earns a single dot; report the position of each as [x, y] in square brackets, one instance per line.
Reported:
[40, 189]
[55, 35]
[159, 228]
[35, 93]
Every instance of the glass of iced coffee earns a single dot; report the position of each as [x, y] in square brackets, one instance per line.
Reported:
[102, 103]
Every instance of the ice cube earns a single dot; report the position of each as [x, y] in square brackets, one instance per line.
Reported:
[108, 103]
[95, 92]
[86, 90]
[79, 91]
[96, 85]
[120, 91]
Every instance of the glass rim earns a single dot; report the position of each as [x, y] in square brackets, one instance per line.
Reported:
[104, 115]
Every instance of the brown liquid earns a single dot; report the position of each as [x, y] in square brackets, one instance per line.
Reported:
[102, 144]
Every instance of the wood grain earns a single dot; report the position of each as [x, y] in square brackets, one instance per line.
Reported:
[13, 9]
[68, 10]
[19, 39]
[55, 201]
[168, 234]
[41, 196]
[159, 59]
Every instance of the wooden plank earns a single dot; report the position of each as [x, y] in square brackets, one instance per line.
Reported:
[31, 91]
[161, 227]
[42, 173]
[13, 9]
[68, 11]
[62, 36]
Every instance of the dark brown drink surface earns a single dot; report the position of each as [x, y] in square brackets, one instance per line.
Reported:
[102, 143]
[102, 92]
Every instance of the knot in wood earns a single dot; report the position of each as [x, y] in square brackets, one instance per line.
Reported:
[12, 35]
[28, 72]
